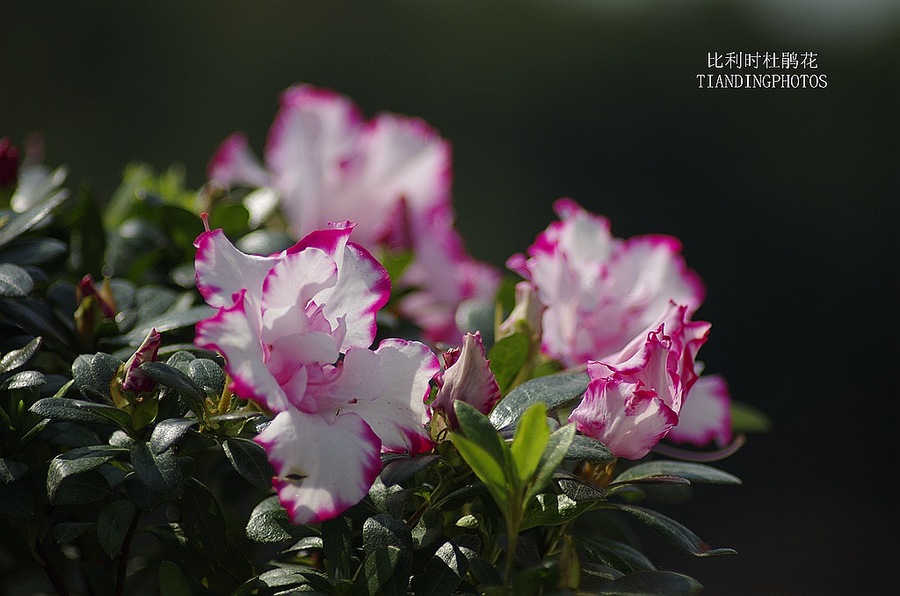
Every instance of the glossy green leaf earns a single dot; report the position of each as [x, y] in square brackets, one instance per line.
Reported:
[233, 219]
[485, 466]
[376, 570]
[552, 510]
[529, 441]
[381, 532]
[159, 471]
[652, 583]
[10, 470]
[555, 450]
[78, 489]
[169, 432]
[585, 448]
[18, 223]
[250, 461]
[94, 373]
[69, 531]
[23, 380]
[169, 321]
[32, 251]
[18, 358]
[444, 571]
[58, 408]
[399, 469]
[618, 555]
[173, 378]
[672, 531]
[478, 429]
[578, 489]
[553, 390]
[337, 542]
[113, 523]
[77, 461]
[14, 281]
[269, 523]
[697, 473]
[507, 358]
[207, 375]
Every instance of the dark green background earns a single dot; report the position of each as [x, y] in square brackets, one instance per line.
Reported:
[786, 200]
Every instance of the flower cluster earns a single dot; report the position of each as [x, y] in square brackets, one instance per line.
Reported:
[296, 327]
[391, 175]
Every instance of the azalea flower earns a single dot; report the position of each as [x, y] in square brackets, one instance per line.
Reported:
[392, 174]
[295, 329]
[467, 377]
[634, 398]
[601, 291]
[705, 416]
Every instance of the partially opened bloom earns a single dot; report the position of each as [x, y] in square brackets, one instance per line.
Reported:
[467, 377]
[635, 397]
[295, 329]
[601, 291]
[391, 174]
[705, 416]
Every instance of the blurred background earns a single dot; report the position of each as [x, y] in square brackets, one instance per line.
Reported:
[786, 200]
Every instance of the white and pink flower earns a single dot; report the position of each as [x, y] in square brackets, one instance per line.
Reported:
[391, 174]
[295, 329]
[601, 291]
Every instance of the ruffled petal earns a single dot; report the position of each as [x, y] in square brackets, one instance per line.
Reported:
[624, 416]
[362, 286]
[705, 416]
[309, 144]
[234, 163]
[234, 332]
[322, 468]
[222, 271]
[388, 388]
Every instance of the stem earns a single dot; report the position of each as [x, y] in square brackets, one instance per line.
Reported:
[123, 558]
[50, 570]
[513, 522]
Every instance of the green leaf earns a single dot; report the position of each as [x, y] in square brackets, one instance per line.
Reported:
[376, 570]
[477, 314]
[68, 531]
[552, 510]
[444, 571]
[585, 448]
[577, 489]
[395, 262]
[168, 432]
[78, 489]
[399, 469]
[269, 523]
[170, 321]
[172, 581]
[93, 375]
[207, 375]
[233, 219]
[672, 531]
[23, 380]
[507, 358]
[18, 223]
[58, 408]
[14, 281]
[477, 428]
[169, 376]
[77, 461]
[553, 390]
[337, 542]
[10, 470]
[381, 532]
[615, 554]
[748, 419]
[529, 441]
[18, 358]
[250, 461]
[652, 583]
[555, 450]
[112, 526]
[159, 471]
[32, 251]
[699, 473]
[488, 469]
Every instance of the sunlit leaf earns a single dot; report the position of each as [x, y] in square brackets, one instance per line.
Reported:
[553, 390]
